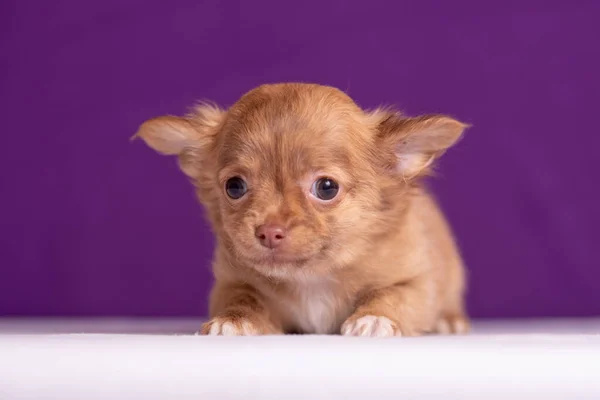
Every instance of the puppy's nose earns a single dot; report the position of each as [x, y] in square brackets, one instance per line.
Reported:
[270, 235]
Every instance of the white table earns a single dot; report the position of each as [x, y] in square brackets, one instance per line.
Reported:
[158, 359]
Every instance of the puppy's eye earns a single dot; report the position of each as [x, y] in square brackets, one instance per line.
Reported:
[325, 189]
[236, 187]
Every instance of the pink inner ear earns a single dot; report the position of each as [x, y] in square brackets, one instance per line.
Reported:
[168, 135]
[431, 135]
[412, 164]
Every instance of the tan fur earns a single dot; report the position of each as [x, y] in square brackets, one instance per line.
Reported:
[381, 249]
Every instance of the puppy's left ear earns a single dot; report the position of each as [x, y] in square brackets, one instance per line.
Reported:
[412, 144]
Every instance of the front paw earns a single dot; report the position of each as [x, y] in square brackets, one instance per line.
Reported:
[370, 325]
[227, 326]
[456, 324]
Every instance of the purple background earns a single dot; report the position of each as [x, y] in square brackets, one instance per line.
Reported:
[91, 224]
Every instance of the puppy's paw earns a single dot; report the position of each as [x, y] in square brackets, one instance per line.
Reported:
[452, 324]
[370, 325]
[225, 326]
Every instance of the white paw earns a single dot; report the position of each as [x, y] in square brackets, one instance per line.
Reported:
[370, 325]
[227, 327]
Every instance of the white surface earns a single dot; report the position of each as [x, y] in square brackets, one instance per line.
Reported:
[154, 359]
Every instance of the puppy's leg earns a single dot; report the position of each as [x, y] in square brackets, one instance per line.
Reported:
[407, 309]
[238, 310]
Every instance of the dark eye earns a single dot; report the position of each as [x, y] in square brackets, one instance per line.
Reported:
[325, 189]
[236, 187]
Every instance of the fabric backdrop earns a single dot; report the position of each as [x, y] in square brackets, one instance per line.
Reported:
[92, 224]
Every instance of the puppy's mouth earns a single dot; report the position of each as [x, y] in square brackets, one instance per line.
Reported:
[278, 257]
[275, 257]
[286, 255]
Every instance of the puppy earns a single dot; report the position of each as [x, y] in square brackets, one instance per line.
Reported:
[321, 218]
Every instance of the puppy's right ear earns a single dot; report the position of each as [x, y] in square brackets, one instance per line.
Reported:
[188, 137]
[168, 135]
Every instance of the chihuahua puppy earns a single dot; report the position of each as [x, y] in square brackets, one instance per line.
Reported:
[322, 221]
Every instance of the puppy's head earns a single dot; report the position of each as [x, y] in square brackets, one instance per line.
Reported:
[296, 178]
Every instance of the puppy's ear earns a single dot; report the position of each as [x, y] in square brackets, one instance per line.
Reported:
[414, 143]
[188, 137]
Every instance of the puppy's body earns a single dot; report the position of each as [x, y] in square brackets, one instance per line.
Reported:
[376, 259]
[419, 256]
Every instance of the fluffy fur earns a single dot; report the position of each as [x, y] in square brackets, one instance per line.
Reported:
[377, 260]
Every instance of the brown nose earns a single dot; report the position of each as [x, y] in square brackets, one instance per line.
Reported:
[270, 235]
